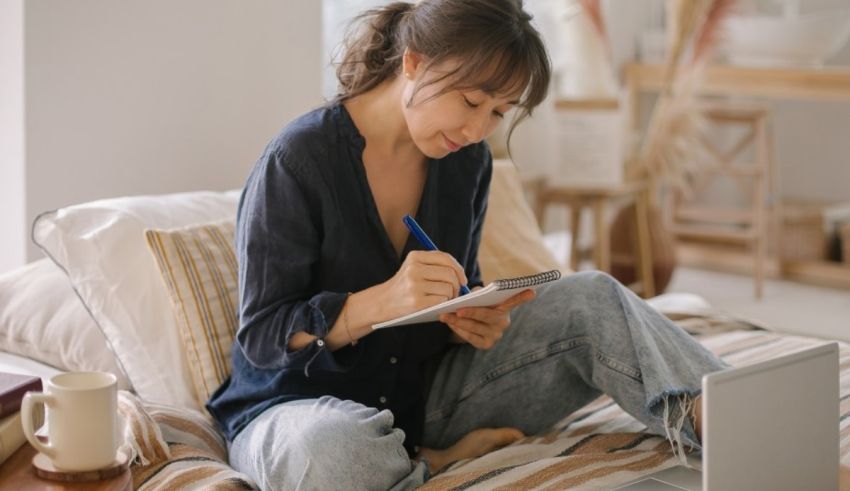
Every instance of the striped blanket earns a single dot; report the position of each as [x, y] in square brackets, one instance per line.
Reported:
[602, 447]
[174, 448]
[597, 447]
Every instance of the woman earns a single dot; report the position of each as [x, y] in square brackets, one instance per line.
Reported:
[316, 400]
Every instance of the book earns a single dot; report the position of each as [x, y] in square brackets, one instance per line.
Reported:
[492, 294]
[12, 432]
[12, 389]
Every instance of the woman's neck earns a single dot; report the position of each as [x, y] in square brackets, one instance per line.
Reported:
[379, 118]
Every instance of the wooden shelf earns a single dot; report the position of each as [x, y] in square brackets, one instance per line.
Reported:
[587, 104]
[822, 273]
[738, 260]
[717, 233]
[724, 258]
[825, 84]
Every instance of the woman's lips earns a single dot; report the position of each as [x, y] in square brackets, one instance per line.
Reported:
[452, 146]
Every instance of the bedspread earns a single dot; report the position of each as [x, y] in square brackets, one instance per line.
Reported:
[597, 447]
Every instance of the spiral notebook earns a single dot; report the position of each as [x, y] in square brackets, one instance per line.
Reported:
[492, 294]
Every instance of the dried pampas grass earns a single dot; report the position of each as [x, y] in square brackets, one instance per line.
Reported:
[671, 148]
[593, 10]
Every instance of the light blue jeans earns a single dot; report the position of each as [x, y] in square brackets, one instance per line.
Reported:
[582, 336]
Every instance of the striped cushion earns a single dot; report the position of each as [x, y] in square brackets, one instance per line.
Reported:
[199, 269]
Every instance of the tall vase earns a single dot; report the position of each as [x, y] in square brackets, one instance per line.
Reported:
[623, 247]
[583, 64]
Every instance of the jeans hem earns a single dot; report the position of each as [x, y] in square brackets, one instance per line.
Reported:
[676, 405]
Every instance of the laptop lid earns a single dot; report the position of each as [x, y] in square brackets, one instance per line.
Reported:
[779, 417]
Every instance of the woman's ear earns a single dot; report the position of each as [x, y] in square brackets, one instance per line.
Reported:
[411, 62]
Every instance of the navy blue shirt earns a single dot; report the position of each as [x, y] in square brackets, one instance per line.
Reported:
[308, 232]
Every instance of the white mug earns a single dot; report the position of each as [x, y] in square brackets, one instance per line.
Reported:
[82, 421]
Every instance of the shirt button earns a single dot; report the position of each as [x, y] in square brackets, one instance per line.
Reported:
[382, 400]
[320, 343]
[393, 360]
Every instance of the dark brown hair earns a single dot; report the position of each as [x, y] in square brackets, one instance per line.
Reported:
[498, 48]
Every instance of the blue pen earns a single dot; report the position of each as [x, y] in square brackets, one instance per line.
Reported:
[426, 242]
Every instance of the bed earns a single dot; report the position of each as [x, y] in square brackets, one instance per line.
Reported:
[601, 447]
[115, 293]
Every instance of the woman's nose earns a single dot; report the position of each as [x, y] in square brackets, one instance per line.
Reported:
[475, 129]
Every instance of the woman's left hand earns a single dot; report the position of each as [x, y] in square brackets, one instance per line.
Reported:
[483, 327]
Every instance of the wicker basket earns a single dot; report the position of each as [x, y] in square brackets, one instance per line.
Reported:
[803, 236]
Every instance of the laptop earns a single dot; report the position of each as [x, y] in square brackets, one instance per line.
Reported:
[770, 425]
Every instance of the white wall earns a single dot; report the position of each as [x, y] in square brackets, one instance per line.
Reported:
[12, 246]
[812, 149]
[156, 96]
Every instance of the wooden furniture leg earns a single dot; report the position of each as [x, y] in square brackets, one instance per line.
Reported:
[575, 222]
[602, 247]
[763, 190]
[644, 245]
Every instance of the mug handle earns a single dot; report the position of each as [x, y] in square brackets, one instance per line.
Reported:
[30, 399]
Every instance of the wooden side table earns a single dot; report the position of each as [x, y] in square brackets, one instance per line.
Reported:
[17, 473]
[598, 199]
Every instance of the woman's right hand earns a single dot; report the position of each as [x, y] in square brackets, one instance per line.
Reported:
[425, 278]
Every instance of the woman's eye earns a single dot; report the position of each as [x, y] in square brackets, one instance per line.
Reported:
[472, 105]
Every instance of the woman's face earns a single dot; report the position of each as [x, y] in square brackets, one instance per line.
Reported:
[444, 124]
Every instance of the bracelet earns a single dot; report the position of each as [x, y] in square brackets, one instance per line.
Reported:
[345, 320]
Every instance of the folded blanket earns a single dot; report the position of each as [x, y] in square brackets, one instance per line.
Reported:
[173, 448]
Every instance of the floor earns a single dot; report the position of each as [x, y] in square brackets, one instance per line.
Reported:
[786, 306]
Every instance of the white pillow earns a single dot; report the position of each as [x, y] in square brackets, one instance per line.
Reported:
[101, 246]
[41, 318]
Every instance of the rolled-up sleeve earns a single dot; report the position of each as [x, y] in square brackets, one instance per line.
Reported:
[278, 238]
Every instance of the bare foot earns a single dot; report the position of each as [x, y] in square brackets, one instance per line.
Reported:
[475, 444]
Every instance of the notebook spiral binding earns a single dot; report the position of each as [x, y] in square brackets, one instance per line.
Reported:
[528, 281]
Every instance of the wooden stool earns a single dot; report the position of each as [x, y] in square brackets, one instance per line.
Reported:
[718, 222]
[597, 199]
